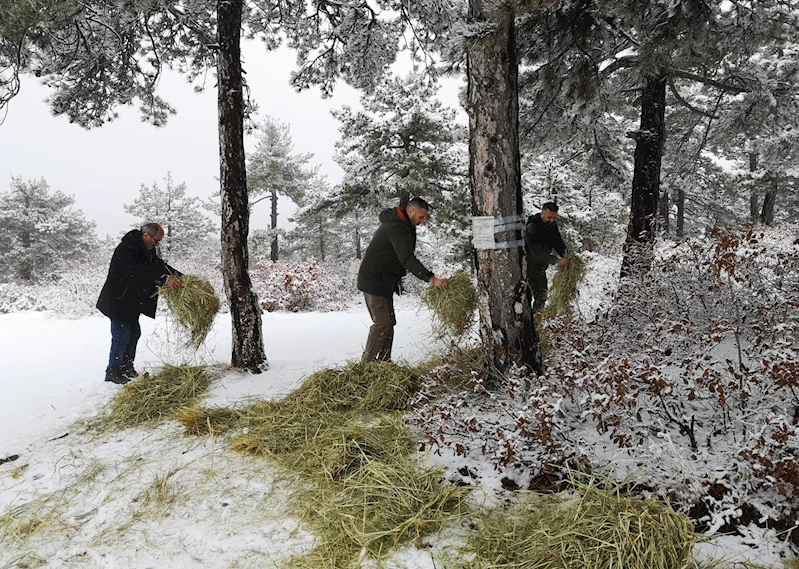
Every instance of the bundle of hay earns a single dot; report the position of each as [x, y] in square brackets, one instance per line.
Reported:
[454, 307]
[194, 305]
[159, 396]
[600, 528]
[564, 287]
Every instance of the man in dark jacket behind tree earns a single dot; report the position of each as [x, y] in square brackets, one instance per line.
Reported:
[388, 258]
[541, 237]
[130, 289]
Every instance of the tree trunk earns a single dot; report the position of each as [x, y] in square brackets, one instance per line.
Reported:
[680, 213]
[273, 225]
[321, 239]
[753, 156]
[769, 201]
[507, 328]
[357, 235]
[664, 206]
[245, 313]
[646, 177]
[25, 271]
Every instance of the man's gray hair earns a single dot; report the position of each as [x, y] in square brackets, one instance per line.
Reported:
[151, 229]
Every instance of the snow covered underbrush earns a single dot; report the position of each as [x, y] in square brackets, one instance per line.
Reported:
[685, 384]
[283, 286]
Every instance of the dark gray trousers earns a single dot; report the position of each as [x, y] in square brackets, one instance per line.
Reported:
[381, 333]
[538, 285]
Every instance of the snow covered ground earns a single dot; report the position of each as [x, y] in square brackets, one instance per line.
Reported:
[147, 498]
[156, 498]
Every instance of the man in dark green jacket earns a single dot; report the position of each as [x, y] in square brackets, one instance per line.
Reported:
[388, 258]
[541, 237]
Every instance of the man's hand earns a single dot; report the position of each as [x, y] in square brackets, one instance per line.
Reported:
[563, 261]
[438, 283]
[174, 283]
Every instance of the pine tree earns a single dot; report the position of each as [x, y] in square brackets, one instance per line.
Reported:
[180, 215]
[274, 170]
[404, 142]
[40, 231]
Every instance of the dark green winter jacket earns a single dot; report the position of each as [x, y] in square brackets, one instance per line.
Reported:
[390, 255]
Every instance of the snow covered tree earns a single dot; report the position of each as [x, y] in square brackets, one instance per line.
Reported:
[585, 57]
[274, 169]
[180, 215]
[404, 142]
[328, 226]
[40, 231]
[101, 54]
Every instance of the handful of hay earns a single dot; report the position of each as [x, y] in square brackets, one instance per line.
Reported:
[195, 306]
[599, 528]
[564, 287]
[454, 307]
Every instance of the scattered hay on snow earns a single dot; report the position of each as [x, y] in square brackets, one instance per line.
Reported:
[375, 509]
[343, 432]
[564, 287]
[599, 528]
[159, 396]
[194, 305]
[453, 308]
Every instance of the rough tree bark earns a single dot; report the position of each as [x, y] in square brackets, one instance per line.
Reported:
[680, 213]
[646, 177]
[245, 314]
[769, 201]
[273, 253]
[506, 319]
[753, 156]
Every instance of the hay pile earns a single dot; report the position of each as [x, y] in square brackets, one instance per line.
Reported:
[453, 308]
[375, 509]
[194, 305]
[600, 528]
[343, 432]
[564, 288]
[151, 399]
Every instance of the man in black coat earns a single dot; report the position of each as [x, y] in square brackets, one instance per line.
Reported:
[388, 258]
[130, 289]
[541, 237]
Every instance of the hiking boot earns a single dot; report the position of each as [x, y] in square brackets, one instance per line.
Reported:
[129, 373]
[117, 378]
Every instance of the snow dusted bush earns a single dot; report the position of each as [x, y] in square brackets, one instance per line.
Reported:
[302, 285]
[689, 382]
[74, 291]
[17, 297]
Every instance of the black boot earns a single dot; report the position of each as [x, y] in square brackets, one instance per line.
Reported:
[117, 377]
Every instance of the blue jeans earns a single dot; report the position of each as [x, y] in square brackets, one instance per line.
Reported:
[124, 337]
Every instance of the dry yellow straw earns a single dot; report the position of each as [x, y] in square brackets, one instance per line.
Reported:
[195, 306]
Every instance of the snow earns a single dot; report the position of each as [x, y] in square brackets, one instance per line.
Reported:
[154, 497]
[216, 508]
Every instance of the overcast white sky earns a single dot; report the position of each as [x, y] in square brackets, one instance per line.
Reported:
[103, 168]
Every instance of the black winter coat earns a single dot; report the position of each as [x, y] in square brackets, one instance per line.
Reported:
[133, 279]
[390, 255]
[540, 240]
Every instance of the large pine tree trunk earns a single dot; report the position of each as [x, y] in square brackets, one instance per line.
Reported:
[680, 213]
[646, 177]
[245, 314]
[506, 319]
[273, 220]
